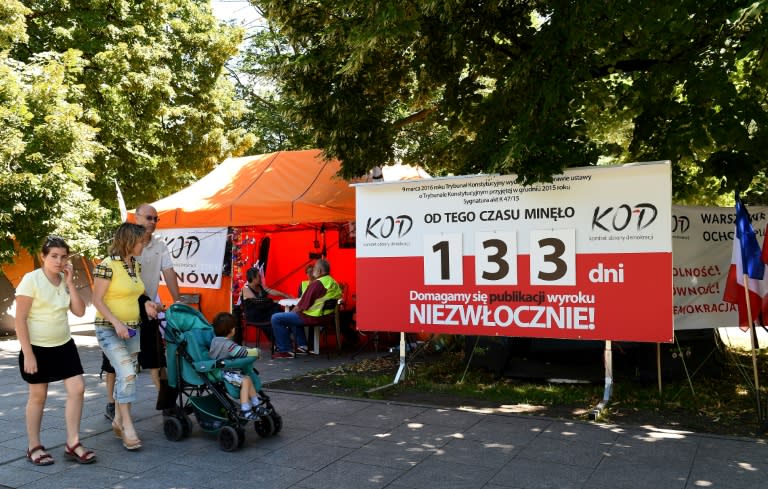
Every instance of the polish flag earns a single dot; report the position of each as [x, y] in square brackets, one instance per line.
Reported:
[745, 260]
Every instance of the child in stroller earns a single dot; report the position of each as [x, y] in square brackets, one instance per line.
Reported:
[222, 347]
[201, 388]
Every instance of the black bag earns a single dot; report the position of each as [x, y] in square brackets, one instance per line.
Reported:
[166, 396]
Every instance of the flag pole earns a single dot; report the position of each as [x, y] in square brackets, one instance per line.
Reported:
[752, 334]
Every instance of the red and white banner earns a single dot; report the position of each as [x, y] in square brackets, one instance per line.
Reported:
[588, 256]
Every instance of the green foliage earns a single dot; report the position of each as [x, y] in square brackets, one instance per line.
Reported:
[97, 91]
[153, 85]
[255, 78]
[530, 87]
[46, 145]
[12, 23]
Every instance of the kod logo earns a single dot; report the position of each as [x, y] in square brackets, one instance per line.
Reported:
[177, 245]
[387, 226]
[680, 224]
[619, 218]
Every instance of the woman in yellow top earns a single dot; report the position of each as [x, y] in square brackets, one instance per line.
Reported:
[48, 352]
[117, 287]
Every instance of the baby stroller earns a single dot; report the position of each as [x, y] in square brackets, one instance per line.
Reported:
[200, 385]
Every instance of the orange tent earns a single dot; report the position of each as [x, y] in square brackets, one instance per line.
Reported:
[284, 188]
[264, 195]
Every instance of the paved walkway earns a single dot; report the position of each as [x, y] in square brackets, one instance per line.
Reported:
[341, 443]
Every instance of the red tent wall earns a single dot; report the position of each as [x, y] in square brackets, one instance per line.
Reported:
[289, 253]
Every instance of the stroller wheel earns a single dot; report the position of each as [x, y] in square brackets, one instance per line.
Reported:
[277, 420]
[186, 425]
[265, 426]
[173, 429]
[228, 439]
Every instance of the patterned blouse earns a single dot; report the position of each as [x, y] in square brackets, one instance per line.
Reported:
[104, 270]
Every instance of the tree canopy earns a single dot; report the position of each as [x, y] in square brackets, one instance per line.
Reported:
[93, 92]
[255, 74]
[531, 87]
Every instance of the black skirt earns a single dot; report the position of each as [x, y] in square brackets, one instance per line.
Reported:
[53, 363]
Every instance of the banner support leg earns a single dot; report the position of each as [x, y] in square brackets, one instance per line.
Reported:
[400, 371]
[608, 390]
[658, 366]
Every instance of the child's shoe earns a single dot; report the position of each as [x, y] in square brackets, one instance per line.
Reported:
[249, 415]
[260, 410]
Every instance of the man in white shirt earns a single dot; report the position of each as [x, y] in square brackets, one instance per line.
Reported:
[155, 259]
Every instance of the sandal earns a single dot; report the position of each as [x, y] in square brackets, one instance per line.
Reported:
[87, 457]
[131, 444]
[44, 459]
[117, 430]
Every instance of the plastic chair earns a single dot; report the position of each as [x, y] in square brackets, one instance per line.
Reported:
[330, 319]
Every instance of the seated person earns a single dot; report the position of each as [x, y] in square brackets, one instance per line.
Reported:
[305, 283]
[257, 304]
[306, 313]
[222, 347]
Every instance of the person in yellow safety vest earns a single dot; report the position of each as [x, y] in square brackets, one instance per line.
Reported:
[306, 313]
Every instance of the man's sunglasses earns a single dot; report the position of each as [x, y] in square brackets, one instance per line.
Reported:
[150, 218]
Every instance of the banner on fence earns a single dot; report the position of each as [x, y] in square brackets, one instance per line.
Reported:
[702, 241]
[197, 254]
[588, 256]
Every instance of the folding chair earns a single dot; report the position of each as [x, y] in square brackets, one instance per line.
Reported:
[259, 326]
[330, 318]
[257, 309]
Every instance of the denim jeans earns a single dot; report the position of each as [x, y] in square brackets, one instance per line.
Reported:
[285, 323]
[123, 355]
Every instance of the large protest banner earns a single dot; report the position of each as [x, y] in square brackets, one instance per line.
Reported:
[588, 256]
[197, 254]
[702, 242]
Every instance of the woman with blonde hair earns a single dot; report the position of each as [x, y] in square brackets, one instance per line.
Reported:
[117, 287]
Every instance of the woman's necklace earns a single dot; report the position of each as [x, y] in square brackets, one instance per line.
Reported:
[130, 268]
[55, 282]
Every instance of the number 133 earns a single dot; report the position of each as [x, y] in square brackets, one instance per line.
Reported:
[552, 258]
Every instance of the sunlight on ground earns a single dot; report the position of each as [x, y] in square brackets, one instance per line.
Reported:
[516, 409]
[655, 433]
[505, 409]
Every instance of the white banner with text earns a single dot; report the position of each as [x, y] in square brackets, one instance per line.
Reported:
[702, 243]
[197, 254]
